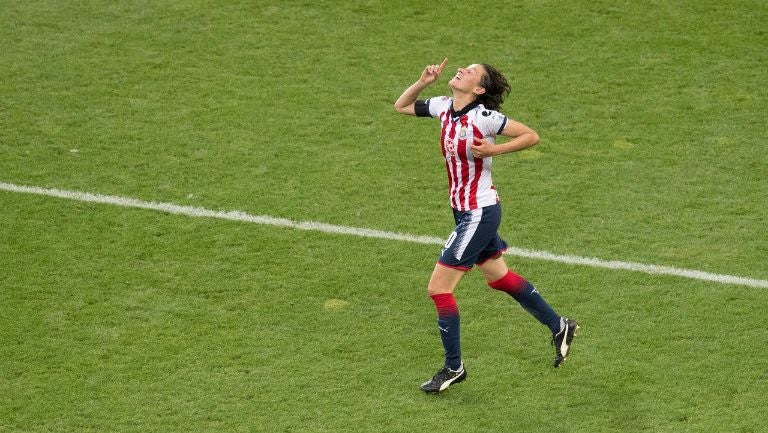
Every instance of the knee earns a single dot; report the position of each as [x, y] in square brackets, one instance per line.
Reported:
[443, 280]
[437, 289]
[439, 286]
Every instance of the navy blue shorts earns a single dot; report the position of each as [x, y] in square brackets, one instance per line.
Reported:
[475, 239]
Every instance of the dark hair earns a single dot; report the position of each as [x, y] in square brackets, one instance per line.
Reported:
[496, 88]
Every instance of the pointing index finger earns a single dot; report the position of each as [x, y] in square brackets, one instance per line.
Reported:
[442, 65]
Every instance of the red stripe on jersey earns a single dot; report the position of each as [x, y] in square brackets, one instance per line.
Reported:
[443, 129]
[461, 150]
[443, 124]
[450, 161]
[478, 162]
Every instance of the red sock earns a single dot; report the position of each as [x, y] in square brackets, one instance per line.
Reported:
[445, 304]
[510, 283]
[530, 299]
[449, 323]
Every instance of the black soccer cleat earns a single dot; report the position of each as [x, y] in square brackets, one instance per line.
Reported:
[562, 340]
[443, 379]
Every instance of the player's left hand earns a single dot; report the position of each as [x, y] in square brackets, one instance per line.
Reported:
[482, 148]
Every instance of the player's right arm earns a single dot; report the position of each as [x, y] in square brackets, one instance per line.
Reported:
[405, 103]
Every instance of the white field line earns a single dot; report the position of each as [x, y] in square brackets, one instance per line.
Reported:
[378, 234]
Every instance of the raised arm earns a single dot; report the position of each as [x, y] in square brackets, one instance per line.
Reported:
[405, 102]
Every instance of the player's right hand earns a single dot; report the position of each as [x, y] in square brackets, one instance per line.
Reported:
[432, 72]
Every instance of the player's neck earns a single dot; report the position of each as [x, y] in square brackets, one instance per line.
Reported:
[461, 100]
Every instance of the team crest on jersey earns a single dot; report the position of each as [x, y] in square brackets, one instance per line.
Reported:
[463, 133]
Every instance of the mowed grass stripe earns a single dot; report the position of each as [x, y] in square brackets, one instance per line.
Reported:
[379, 234]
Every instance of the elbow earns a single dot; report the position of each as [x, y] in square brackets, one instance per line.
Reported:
[404, 110]
[534, 138]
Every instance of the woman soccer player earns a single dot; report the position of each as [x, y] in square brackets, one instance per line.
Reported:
[470, 123]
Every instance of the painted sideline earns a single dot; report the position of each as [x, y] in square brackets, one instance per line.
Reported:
[378, 234]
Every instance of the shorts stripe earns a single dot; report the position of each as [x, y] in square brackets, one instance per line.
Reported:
[469, 233]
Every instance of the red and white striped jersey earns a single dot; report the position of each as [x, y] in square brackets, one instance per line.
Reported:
[469, 178]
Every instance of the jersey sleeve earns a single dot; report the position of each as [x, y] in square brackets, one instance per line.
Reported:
[432, 107]
[492, 122]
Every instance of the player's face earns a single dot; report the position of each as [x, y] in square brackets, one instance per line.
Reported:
[468, 79]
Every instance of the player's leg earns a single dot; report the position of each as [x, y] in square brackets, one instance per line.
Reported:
[473, 231]
[499, 277]
[440, 289]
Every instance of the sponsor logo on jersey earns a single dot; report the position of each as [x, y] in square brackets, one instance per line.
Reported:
[450, 147]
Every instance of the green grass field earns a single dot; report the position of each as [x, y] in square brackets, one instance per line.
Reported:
[653, 124]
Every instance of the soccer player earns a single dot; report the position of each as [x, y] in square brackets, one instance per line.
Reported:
[469, 123]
